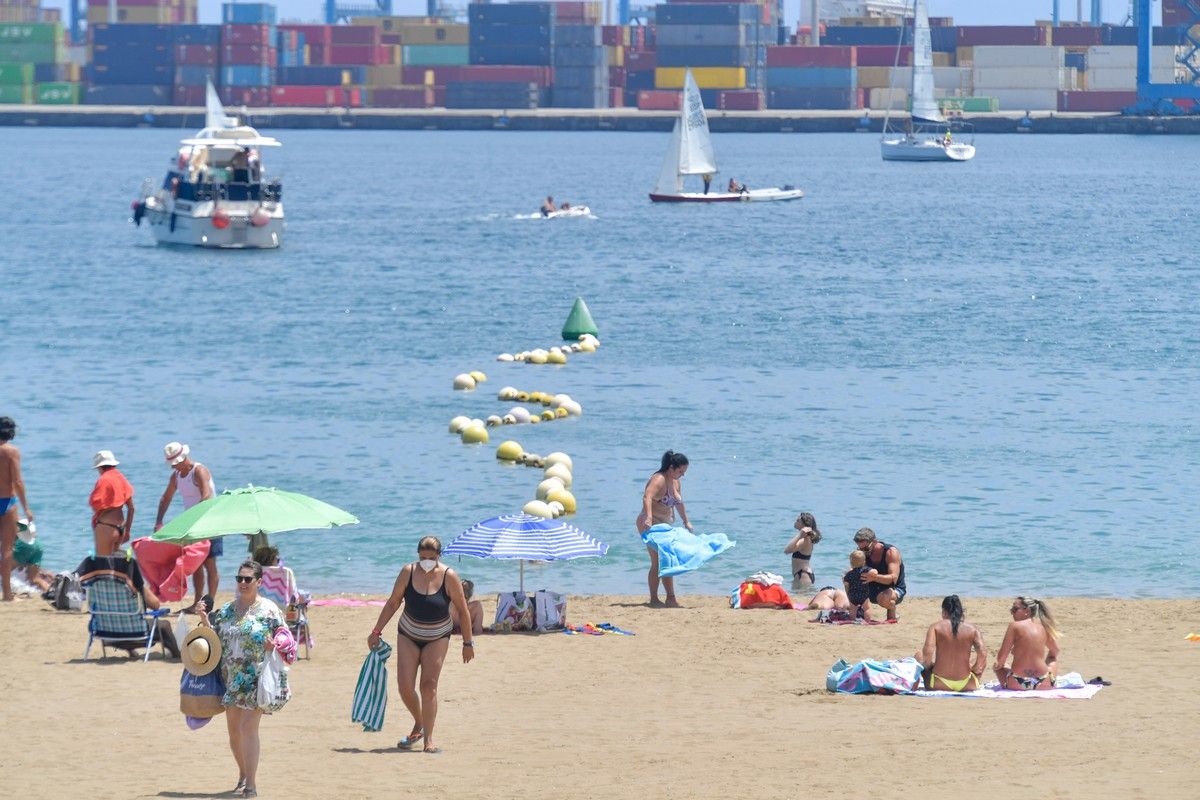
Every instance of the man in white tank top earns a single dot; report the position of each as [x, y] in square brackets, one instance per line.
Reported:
[194, 483]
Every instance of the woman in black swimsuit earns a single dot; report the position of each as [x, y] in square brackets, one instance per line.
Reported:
[801, 548]
[426, 590]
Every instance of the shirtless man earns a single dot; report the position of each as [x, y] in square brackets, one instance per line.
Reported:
[12, 488]
[111, 498]
[194, 483]
[885, 571]
[1032, 640]
[946, 655]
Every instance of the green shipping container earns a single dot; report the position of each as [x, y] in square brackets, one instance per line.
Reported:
[56, 94]
[33, 53]
[18, 74]
[970, 105]
[31, 33]
[16, 94]
[436, 55]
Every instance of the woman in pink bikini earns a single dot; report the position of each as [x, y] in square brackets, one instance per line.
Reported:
[660, 501]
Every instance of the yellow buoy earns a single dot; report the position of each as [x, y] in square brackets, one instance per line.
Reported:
[534, 420]
[547, 415]
[537, 357]
[477, 375]
[549, 485]
[561, 413]
[556, 358]
[475, 434]
[523, 397]
[563, 496]
[493, 421]
[560, 471]
[537, 508]
[458, 423]
[586, 346]
[509, 451]
[559, 458]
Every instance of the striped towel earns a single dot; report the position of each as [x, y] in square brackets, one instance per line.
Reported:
[370, 695]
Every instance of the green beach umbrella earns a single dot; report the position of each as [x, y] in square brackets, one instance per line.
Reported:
[252, 509]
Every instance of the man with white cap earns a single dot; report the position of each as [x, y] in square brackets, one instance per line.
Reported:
[194, 483]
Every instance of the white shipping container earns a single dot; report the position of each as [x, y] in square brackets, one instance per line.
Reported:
[1022, 78]
[1124, 79]
[943, 77]
[1025, 99]
[1160, 55]
[879, 99]
[1012, 56]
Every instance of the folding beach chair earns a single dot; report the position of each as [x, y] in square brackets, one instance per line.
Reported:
[118, 618]
[279, 586]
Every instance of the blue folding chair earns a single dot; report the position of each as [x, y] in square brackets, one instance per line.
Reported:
[118, 617]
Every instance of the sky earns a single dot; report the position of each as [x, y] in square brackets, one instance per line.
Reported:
[964, 12]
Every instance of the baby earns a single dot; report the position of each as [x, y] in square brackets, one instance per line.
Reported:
[857, 589]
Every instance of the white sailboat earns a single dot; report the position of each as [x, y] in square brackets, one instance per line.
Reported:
[691, 153]
[927, 135]
[216, 193]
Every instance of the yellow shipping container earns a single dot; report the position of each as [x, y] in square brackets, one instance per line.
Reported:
[616, 56]
[143, 15]
[964, 56]
[874, 77]
[943, 59]
[419, 30]
[706, 77]
[389, 75]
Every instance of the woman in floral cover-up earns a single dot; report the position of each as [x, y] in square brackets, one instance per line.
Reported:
[246, 627]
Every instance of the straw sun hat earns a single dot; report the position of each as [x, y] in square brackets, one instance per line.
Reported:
[201, 650]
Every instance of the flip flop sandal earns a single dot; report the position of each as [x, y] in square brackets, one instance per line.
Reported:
[408, 741]
[432, 750]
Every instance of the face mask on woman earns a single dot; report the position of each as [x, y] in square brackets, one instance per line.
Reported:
[428, 564]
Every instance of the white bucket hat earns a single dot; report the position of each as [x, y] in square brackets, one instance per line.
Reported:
[104, 458]
[175, 452]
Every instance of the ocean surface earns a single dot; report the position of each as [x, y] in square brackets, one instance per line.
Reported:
[991, 364]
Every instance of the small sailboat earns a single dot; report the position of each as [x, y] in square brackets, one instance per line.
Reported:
[691, 153]
[927, 135]
[216, 193]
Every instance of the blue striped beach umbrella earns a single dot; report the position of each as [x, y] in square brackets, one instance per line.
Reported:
[522, 537]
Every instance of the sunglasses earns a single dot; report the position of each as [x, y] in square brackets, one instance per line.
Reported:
[245, 579]
[1015, 609]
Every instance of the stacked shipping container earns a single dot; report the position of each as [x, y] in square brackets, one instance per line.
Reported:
[580, 62]
[142, 12]
[247, 53]
[724, 44]
[33, 66]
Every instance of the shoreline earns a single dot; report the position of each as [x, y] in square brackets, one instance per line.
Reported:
[684, 707]
[554, 119]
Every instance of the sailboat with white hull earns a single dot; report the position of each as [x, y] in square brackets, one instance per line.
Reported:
[691, 153]
[927, 135]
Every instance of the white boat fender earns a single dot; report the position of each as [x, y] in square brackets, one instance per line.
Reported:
[260, 217]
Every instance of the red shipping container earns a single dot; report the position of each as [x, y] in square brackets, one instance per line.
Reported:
[197, 55]
[318, 54]
[616, 77]
[1174, 13]
[247, 54]
[356, 34]
[612, 35]
[973, 35]
[1077, 36]
[439, 96]
[1095, 101]
[659, 100]
[189, 95]
[638, 60]
[741, 100]
[255, 96]
[415, 97]
[356, 54]
[616, 98]
[315, 96]
[542, 76]
[246, 34]
[637, 36]
[794, 56]
[878, 55]
[319, 35]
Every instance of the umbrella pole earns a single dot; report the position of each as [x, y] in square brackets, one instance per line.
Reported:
[522, 576]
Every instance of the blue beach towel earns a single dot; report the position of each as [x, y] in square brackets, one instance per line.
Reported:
[680, 550]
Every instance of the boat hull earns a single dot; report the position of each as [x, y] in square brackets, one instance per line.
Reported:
[925, 150]
[752, 196]
[573, 211]
[194, 227]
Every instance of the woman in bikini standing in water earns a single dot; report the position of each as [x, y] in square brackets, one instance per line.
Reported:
[801, 549]
[659, 502]
[426, 589]
[111, 498]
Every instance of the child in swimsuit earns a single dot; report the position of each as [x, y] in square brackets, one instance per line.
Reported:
[857, 589]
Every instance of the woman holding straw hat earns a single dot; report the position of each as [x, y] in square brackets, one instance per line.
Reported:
[246, 627]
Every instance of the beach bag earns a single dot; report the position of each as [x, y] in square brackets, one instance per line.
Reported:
[65, 592]
[899, 676]
[514, 612]
[549, 610]
[272, 683]
[201, 695]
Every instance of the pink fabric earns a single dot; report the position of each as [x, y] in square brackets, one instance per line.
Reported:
[167, 567]
[344, 601]
[285, 644]
[278, 585]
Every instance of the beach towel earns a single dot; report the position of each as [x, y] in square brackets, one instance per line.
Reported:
[349, 602]
[680, 550]
[595, 630]
[370, 694]
[898, 676]
[168, 566]
[756, 595]
[829, 620]
[1066, 687]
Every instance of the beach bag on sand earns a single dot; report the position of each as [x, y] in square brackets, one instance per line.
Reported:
[549, 610]
[272, 685]
[200, 695]
[899, 676]
[65, 592]
[514, 612]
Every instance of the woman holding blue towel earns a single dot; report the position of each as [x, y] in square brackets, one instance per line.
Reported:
[660, 500]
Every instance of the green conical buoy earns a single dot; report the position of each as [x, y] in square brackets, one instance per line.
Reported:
[579, 322]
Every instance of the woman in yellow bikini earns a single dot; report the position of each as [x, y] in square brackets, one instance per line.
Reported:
[660, 500]
[946, 654]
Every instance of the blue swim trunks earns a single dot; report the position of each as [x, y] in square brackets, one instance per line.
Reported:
[216, 547]
[5, 504]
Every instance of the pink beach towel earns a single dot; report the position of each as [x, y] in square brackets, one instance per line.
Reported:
[344, 601]
[167, 566]
[285, 644]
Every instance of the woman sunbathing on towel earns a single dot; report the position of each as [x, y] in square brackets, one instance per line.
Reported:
[946, 655]
[830, 599]
[1032, 640]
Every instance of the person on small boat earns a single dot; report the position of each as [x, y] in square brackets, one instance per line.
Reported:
[566, 206]
[735, 187]
[707, 182]
[947, 139]
[548, 206]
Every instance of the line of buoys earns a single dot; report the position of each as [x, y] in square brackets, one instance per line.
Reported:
[555, 355]
[552, 498]
[467, 381]
[555, 401]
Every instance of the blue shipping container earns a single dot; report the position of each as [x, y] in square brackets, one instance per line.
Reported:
[517, 56]
[247, 75]
[319, 76]
[512, 13]
[209, 35]
[524, 35]
[501, 94]
[150, 55]
[944, 40]
[130, 74]
[580, 57]
[579, 98]
[812, 78]
[812, 98]
[639, 80]
[844, 35]
[195, 75]
[580, 77]
[706, 14]
[705, 56]
[248, 14]
[128, 34]
[1076, 60]
[51, 73]
[578, 35]
[719, 35]
[127, 95]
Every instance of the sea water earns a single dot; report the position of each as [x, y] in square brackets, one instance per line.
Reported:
[992, 364]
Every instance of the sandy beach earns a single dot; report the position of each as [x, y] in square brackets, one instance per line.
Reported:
[704, 702]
